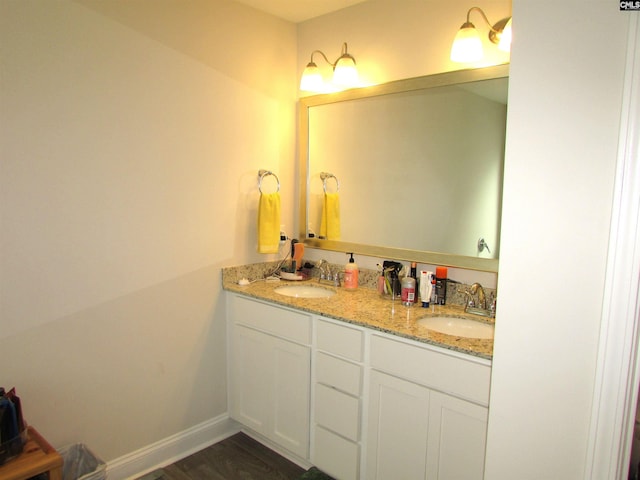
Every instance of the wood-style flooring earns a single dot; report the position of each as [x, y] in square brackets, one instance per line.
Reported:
[238, 457]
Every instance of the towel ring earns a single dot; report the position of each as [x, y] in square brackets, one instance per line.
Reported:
[266, 173]
[326, 176]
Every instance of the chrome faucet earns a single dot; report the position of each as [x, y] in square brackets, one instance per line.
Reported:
[325, 273]
[482, 299]
[325, 270]
[481, 307]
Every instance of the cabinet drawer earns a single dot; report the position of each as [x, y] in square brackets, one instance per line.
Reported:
[340, 340]
[335, 455]
[338, 373]
[337, 411]
[467, 379]
[270, 319]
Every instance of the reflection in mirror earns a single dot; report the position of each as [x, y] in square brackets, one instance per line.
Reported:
[419, 164]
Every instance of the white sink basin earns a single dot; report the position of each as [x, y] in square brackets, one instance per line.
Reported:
[304, 291]
[459, 327]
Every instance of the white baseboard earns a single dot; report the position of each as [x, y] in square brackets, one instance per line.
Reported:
[171, 449]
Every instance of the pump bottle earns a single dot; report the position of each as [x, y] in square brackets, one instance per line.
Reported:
[351, 274]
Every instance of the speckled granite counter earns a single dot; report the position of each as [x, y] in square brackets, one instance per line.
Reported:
[365, 307]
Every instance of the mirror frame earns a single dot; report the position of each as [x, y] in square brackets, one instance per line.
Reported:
[398, 86]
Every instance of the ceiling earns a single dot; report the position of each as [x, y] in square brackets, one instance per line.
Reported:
[299, 10]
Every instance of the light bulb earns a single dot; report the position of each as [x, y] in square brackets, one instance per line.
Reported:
[345, 72]
[505, 38]
[467, 46]
[311, 80]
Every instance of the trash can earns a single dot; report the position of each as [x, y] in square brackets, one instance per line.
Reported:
[80, 463]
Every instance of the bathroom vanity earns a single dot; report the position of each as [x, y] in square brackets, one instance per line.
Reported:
[356, 385]
[351, 382]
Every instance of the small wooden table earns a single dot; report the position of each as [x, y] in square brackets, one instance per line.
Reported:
[36, 458]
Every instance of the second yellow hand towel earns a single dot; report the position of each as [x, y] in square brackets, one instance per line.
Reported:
[330, 222]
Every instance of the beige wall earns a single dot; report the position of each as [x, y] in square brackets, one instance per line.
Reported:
[132, 134]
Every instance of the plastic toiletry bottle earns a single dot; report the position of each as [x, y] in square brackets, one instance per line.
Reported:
[414, 275]
[434, 298]
[408, 290]
[425, 287]
[351, 274]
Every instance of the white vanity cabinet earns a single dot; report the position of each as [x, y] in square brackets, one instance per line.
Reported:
[338, 371]
[427, 413]
[357, 403]
[270, 367]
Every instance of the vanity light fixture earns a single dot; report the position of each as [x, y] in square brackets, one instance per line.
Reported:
[467, 46]
[345, 73]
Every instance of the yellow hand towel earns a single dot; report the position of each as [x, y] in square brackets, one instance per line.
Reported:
[269, 223]
[330, 222]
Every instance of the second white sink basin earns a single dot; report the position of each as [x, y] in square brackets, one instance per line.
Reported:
[304, 291]
[459, 327]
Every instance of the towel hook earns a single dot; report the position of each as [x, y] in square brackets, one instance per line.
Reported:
[266, 173]
[326, 176]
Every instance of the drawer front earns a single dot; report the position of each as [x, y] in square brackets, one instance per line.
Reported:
[335, 455]
[270, 319]
[337, 373]
[340, 340]
[337, 411]
[456, 376]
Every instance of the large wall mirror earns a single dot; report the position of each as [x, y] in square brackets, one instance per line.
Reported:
[416, 166]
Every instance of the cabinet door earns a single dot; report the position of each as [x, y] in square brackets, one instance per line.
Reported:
[250, 378]
[398, 429]
[290, 393]
[457, 437]
[270, 382]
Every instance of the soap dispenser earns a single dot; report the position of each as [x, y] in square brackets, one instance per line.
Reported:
[351, 274]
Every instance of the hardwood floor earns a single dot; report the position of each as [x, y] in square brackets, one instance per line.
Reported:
[238, 457]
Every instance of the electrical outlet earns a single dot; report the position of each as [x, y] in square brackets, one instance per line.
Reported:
[283, 235]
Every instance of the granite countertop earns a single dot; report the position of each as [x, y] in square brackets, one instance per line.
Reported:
[365, 307]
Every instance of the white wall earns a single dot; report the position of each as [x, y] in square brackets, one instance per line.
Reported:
[564, 108]
[562, 135]
[132, 134]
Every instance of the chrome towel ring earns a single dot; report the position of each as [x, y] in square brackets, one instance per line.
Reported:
[326, 176]
[266, 173]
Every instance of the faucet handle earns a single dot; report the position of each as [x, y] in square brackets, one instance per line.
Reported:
[469, 301]
[329, 275]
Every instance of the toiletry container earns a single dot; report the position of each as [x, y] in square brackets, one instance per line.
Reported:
[426, 287]
[391, 271]
[414, 275]
[441, 285]
[408, 290]
[351, 274]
